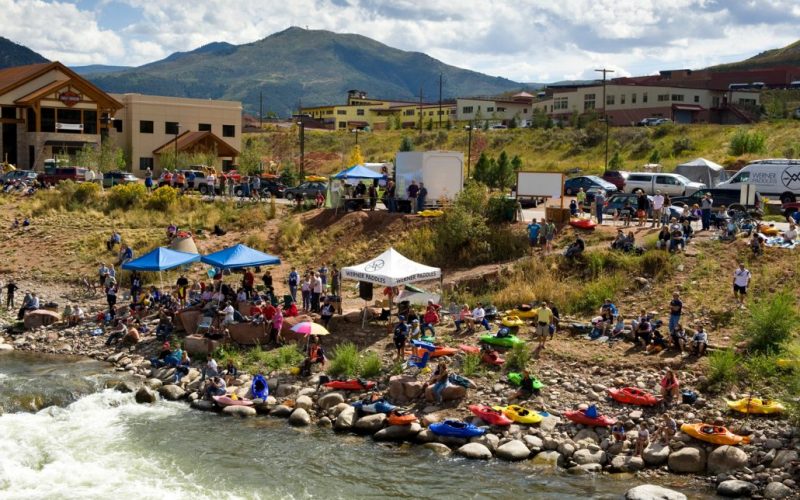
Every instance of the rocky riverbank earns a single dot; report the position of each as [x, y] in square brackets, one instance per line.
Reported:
[767, 467]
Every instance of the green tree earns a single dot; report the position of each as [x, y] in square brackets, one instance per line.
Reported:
[289, 174]
[516, 163]
[406, 144]
[398, 123]
[503, 172]
[514, 121]
[253, 150]
[429, 125]
[615, 163]
[105, 158]
[483, 169]
[655, 157]
[539, 118]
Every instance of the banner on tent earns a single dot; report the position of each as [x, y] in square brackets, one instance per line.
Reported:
[365, 276]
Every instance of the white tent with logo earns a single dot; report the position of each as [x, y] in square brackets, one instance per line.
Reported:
[702, 170]
[391, 269]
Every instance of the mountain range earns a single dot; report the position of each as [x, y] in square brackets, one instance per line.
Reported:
[14, 54]
[785, 56]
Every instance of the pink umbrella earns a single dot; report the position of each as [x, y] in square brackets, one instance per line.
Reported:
[309, 328]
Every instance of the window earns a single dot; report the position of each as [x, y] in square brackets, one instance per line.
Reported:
[501, 110]
[204, 127]
[360, 112]
[329, 112]
[560, 103]
[227, 165]
[609, 100]
[747, 102]
[588, 102]
[644, 97]
[89, 121]
[524, 110]
[633, 98]
[466, 110]
[31, 120]
[48, 120]
[145, 127]
[171, 128]
[639, 178]
[666, 180]
[622, 98]
[490, 109]
[118, 126]
[229, 131]
[741, 177]
[715, 102]
[697, 98]
[341, 111]
[408, 112]
[663, 97]
[342, 124]
[677, 97]
[145, 163]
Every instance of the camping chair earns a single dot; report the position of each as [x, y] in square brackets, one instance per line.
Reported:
[204, 325]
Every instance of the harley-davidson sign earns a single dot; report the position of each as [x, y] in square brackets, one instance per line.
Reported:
[69, 98]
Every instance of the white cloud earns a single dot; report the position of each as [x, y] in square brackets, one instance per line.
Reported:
[525, 40]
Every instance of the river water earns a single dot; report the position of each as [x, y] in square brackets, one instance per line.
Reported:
[95, 443]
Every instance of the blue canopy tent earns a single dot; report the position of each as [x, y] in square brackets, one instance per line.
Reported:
[160, 259]
[358, 172]
[239, 256]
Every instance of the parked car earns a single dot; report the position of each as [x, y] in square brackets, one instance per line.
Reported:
[115, 178]
[779, 178]
[616, 177]
[52, 176]
[590, 184]
[308, 189]
[617, 201]
[199, 178]
[730, 199]
[671, 184]
[19, 175]
[653, 121]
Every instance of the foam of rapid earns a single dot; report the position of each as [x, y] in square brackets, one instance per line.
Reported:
[82, 452]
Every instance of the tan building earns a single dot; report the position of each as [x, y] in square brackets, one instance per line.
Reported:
[47, 109]
[500, 110]
[147, 126]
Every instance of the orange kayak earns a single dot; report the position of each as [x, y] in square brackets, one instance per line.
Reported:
[715, 434]
[438, 352]
[397, 419]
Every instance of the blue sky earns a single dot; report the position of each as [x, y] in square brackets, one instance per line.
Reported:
[525, 40]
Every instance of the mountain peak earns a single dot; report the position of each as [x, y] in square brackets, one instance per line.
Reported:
[14, 54]
[784, 56]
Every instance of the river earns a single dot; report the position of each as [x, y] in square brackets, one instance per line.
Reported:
[94, 443]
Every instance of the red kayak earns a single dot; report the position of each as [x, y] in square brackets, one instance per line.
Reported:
[582, 223]
[633, 396]
[224, 401]
[492, 358]
[443, 351]
[489, 415]
[579, 417]
[472, 349]
[350, 385]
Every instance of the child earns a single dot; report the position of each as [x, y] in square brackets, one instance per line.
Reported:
[400, 337]
[668, 428]
[618, 431]
[573, 208]
[642, 439]
[700, 342]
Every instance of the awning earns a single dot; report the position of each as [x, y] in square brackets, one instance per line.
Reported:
[160, 259]
[688, 107]
[391, 268]
[239, 256]
[358, 172]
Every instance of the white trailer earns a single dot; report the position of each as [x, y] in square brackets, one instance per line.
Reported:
[442, 172]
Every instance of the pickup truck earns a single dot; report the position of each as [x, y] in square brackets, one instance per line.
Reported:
[52, 176]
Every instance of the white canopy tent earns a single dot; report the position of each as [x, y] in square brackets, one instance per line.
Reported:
[391, 269]
[702, 170]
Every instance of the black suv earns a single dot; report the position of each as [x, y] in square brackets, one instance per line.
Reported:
[728, 197]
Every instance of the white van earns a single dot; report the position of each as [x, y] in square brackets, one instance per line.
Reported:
[779, 178]
[671, 184]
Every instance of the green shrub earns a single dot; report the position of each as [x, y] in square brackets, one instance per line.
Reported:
[87, 193]
[723, 368]
[517, 358]
[681, 145]
[344, 360]
[770, 323]
[163, 198]
[744, 142]
[126, 196]
[290, 232]
[471, 364]
[371, 365]
[663, 130]
[589, 298]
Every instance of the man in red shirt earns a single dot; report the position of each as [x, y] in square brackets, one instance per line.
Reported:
[268, 310]
[248, 281]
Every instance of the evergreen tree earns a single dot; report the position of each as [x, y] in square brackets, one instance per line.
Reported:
[482, 170]
[615, 163]
[406, 144]
[655, 157]
[503, 172]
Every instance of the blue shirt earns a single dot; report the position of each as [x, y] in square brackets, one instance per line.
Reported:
[533, 231]
[796, 216]
[293, 278]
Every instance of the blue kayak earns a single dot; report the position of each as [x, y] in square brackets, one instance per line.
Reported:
[377, 406]
[259, 388]
[456, 428]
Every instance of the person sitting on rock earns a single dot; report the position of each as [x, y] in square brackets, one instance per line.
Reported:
[644, 332]
[162, 356]
[657, 344]
[526, 388]
[667, 429]
[700, 342]
[183, 367]
[670, 386]
[215, 387]
[618, 330]
[575, 249]
[678, 337]
[430, 318]
[440, 380]
[642, 439]
[119, 331]
[618, 431]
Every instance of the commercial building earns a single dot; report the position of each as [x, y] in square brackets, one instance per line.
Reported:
[147, 126]
[495, 109]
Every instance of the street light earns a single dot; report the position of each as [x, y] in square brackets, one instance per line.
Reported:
[469, 147]
[605, 114]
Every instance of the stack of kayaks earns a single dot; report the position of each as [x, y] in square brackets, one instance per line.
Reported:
[456, 428]
[512, 322]
[523, 311]
[756, 406]
[633, 396]
[490, 415]
[715, 434]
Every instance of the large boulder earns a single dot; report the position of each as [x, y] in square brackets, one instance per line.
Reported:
[588, 435]
[726, 459]
[735, 488]
[329, 400]
[299, 418]
[656, 454]
[782, 458]
[281, 411]
[397, 432]
[39, 318]
[489, 440]
[438, 448]
[370, 424]
[586, 456]
[475, 451]
[346, 419]
[513, 450]
[688, 459]
[777, 490]
[449, 393]
[548, 458]
[146, 395]
[624, 463]
[653, 492]
[404, 389]
[304, 402]
[171, 392]
[203, 405]
[239, 411]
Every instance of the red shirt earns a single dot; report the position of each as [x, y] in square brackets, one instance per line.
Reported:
[268, 311]
[249, 278]
[292, 311]
[255, 310]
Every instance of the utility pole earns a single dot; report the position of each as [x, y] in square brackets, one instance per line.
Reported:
[440, 101]
[469, 146]
[605, 114]
[420, 110]
[261, 109]
[302, 126]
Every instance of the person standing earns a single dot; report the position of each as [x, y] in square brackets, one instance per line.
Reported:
[675, 311]
[323, 275]
[705, 209]
[421, 196]
[580, 196]
[211, 183]
[599, 205]
[549, 230]
[316, 292]
[413, 192]
[390, 201]
[533, 233]
[335, 280]
[642, 205]
[294, 278]
[544, 317]
[372, 192]
[658, 205]
[741, 279]
[11, 287]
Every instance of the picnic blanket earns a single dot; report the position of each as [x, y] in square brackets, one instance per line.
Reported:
[777, 241]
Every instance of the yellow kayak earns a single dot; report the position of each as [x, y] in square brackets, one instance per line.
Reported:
[512, 321]
[519, 414]
[523, 312]
[431, 213]
[756, 406]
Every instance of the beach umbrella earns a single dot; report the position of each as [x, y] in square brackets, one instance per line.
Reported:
[308, 328]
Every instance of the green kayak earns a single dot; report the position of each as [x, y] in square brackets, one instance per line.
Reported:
[509, 341]
[516, 379]
[428, 339]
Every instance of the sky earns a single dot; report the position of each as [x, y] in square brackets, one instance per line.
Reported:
[524, 40]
